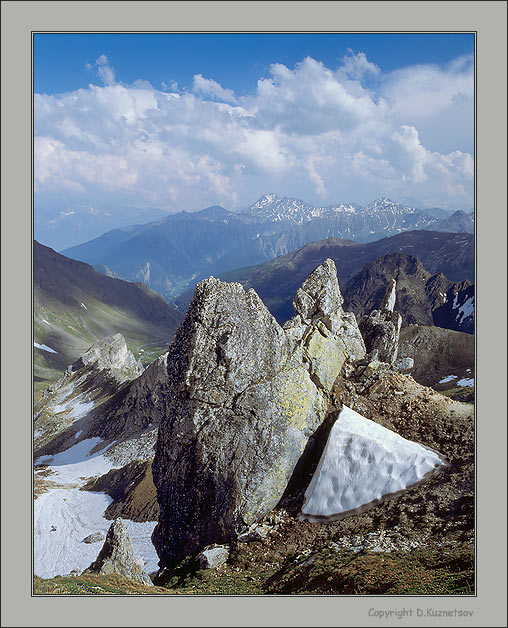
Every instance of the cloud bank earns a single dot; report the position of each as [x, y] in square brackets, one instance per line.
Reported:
[324, 135]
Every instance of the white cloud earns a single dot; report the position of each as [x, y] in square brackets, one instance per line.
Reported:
[105, 71]
[212, 88]
[357, 65]
[308, 131]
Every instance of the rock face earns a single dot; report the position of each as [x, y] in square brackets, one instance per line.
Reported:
[381, 328]
[117, 556]
[244, 397]
[86, 384]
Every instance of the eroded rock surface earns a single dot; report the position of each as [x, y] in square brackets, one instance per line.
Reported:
[117, 556]
[381, 328]
[244, 396]
[67, 404]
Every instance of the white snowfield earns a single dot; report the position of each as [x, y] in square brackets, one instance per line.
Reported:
[65, 515]
[363, 462]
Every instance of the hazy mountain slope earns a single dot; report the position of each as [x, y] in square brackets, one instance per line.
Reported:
[458, 222]
[177, 251]
[72, 226]
[277, 281]
[74, 306]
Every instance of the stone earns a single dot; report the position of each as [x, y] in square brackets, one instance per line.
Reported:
[381, 328]
[94, 538]
[117, 556]
[404, 364]
[254, 533]
[213, 556]
[243, 397]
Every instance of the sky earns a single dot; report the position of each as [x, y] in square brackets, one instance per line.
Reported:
[185, 121]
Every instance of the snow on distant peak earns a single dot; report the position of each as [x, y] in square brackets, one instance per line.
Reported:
[265, 200]
[363, 462]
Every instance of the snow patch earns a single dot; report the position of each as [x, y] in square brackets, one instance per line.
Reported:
[65, 515]
[466, 382]
[361, 463]
[467, 309]
[447, 379]
[44, 347]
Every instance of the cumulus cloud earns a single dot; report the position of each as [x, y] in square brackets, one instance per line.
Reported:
[357, 65]
[105, 71]
[310, 131]
[209, 87]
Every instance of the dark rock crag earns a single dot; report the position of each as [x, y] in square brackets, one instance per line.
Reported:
[244, 396]
[381, 328]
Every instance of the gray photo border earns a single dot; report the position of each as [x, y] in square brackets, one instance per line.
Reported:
[19, 18]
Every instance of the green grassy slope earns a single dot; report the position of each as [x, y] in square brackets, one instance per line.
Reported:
[74, 306]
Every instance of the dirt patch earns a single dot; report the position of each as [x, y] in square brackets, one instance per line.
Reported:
[132, 490]
[41, 482]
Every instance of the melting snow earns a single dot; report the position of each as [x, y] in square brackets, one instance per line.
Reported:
[65, 515]
[363, 462]
[466, 382]
[467, 309]
[447, 379]
[44, 347]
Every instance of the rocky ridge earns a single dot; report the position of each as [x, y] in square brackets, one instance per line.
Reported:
[245, 406]
[66, 406]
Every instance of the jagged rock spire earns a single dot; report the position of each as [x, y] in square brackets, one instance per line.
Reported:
[244, 397]
[381, 328]
[117, 556]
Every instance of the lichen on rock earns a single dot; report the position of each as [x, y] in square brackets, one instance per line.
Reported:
[244, 396]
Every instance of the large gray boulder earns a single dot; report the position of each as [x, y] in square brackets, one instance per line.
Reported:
[244, 396]
[381, 328]
[117, 556]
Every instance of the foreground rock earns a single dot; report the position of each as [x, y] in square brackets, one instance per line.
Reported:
[244, 397]
[381, 328]
[213, 556]
[117, 556]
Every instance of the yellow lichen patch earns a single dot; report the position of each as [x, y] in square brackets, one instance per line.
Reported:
[326, 358]
[299, 399]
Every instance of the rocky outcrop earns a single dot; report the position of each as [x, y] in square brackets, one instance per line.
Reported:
[90, 381]
[117, 556]
[381, 328]
[213, 556]
[244, 396]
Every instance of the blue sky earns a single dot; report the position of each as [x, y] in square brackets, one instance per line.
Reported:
[235, 60]
[184, 121]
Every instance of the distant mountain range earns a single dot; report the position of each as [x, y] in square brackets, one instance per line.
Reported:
[76, 225]
[75, 306]
[178, 250]
[277, 281]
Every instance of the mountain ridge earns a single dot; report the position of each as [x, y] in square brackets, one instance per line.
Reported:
[175, 252]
